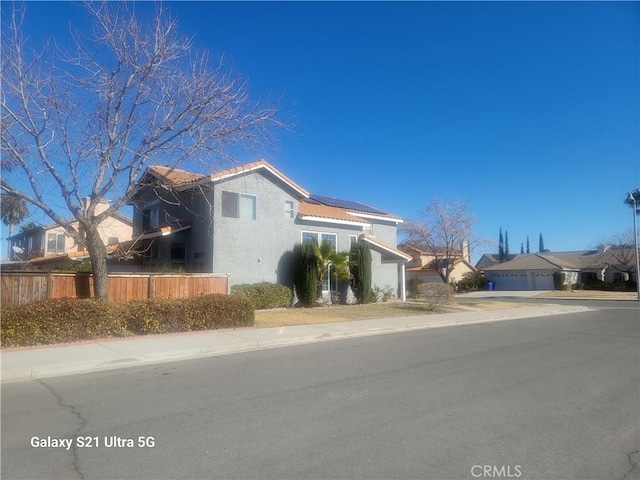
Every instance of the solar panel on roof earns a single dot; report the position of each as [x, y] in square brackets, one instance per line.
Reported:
[347, 204]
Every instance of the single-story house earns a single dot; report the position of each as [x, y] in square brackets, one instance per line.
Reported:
[534, 271]
[245, 221]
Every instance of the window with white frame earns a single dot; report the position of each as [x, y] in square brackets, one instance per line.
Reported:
[353, 239]
[55, 242]
[288, 209]
[238, 205]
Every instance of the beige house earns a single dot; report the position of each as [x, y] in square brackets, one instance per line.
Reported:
[50, 244]
[424, 265]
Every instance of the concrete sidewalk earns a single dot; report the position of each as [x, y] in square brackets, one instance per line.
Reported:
[106, 354]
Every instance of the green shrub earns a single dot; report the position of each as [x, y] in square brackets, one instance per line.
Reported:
[360, 268]
[305, 274]
[70, 319]
[61, 320]
[264, 295]
[472, 281]
[435, 294]
[206, 312]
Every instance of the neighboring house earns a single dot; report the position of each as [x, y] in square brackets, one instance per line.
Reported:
[424, 266]
[246, 220]
[534, 271]
[49, 245]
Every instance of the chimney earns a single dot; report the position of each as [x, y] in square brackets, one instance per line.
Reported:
[100, 207]
[464, 248]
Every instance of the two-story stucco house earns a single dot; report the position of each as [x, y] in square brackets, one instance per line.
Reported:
[245, 222]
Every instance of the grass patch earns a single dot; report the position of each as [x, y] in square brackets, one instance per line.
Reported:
[350, 313]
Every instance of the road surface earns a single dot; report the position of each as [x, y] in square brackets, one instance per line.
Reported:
[548, 398]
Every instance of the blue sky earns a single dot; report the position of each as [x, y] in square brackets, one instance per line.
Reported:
[528, 111]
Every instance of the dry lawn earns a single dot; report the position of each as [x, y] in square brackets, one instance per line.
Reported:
[595, 294]
[346, 313]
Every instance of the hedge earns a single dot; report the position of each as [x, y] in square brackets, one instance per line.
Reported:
[264, 295]
[69, 319]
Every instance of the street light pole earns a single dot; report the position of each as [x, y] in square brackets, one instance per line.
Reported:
[631, 199]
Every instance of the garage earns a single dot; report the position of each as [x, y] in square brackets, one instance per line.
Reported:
[543, 281]
[508, 281]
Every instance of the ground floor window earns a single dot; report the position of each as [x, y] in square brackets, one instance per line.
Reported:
[328, 284]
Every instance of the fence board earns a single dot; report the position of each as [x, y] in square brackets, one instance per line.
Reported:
[25, 287]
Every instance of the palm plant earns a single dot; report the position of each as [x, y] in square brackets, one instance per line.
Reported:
[13, 210]
[330, 262]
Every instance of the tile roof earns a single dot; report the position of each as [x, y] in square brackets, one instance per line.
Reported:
[181, 178]
[306, 209]
[259, 164]
[175, 176]
[312, 205]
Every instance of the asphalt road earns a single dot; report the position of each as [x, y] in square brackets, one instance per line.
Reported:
[544, 398]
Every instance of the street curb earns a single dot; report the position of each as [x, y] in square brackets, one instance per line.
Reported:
[325, 332]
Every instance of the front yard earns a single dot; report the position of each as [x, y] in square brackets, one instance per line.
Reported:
[281, 317]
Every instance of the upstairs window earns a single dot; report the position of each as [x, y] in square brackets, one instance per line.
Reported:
[55, 242]
[238, 205]
[288, 209]
[151, 218]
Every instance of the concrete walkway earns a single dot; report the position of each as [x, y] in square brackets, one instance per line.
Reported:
[106, 354]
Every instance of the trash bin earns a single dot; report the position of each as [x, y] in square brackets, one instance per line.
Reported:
[490, 286]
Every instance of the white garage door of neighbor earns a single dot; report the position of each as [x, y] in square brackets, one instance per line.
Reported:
[543, 281]
[509, 282]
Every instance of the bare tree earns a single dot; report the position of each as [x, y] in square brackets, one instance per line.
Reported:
[84, 122]
[617, 252]
[444, 230]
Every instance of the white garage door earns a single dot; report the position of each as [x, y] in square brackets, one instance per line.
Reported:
[543, 281]
[504, 281]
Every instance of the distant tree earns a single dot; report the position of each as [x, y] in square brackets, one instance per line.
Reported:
[360, 270]
[528, 249]
[14, 210]
[27, 227]
[521, 247]
[540, 244]
[501, 246]
[441, 231]
[85, 120]
[506, 245]
[618, 252]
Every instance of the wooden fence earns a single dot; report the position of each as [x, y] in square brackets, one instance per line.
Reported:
[19, 288]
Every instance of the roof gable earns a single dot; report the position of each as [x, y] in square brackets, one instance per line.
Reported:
[311, 206]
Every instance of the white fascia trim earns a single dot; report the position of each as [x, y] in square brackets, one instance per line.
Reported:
[311, 218]
[376, 217]
[215, 178]
[395, 253]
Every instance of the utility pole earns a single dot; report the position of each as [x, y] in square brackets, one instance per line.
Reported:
[633, 201]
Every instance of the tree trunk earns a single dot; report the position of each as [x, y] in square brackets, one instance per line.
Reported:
[9, 256]
[98, 255]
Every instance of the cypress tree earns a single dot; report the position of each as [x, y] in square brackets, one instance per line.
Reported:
[521, 247]
[540, 244]
[528, 249]
[360, 268]
[506, 245]
[305, 274]
[501, 246]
